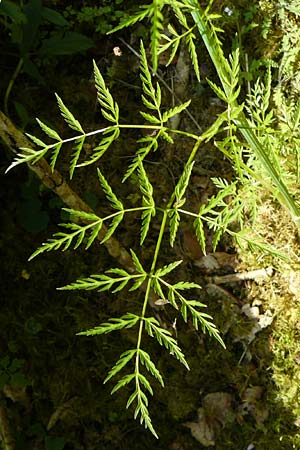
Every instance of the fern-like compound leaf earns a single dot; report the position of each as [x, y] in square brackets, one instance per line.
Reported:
[148, 88]
[110, 108]
[64, 240]
[81, 214]
[113, 226]
[126, 321]
[190, 41]
[68, 116]
[121, 383]
[200, 234]
[183, 285]
[150, 118]
[131, 20]
[94, 234]
[137, 263]
[28, 155]
[55, 153]
[148, 201]
[103, 282]
[183, 182]
[111, 197]
[122, 362]
[76, 154]
[49, 131]
[164, 338]
[167, 269]
[104, 145]
[142, 153]
[202, 319]
[157, 288]
[176, 110]
[150, 366]
[174, 224]
[36, 140]
[156, 30]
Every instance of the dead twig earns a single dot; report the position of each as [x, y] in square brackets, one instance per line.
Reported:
[258, 275]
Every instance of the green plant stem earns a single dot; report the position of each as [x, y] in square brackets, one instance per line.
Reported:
[148, 289]
[11, 83]
[222, 67]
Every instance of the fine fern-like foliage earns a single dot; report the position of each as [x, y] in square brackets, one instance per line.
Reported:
[253, 162]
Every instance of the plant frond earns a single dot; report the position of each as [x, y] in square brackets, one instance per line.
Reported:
[49, 131]
[76, 154]
[148, 201]
[142, 153]
[176, 110]
[68, 116]
[103, 146]
[122, 362]
[165, 339]
[150, 366]
[64, 240]
[146, 11]
[190, 41]
[155, 31]
[126, 321]
[111, 197]
[103, 282]
[113, 226]
[28, 156]
[154, 95]
[174, 219]
[109, 107]
[167, 269]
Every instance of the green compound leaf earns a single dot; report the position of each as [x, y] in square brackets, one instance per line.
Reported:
[113, 226]
[110, 108]
[103, 282]
[148, 88]
[142, 153]
[111, 197]
[167, 269]
[190, 41]
[126, 321]
[68, 116]
[137, 263]
[28, 155]
[200, 234]
[122, 362]
[150, 118]
[183, 182]
[76, 154]
[146, 9]
[49, 131]
[174, 224]
[164, 338]
[64, 240]
[176, 110]
[201, 319]
[150, 366]
[104, 145]
[148, 201]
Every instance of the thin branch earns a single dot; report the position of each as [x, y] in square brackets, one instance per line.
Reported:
[52, 179]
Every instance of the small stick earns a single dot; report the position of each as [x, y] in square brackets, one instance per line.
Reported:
[242, 276]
